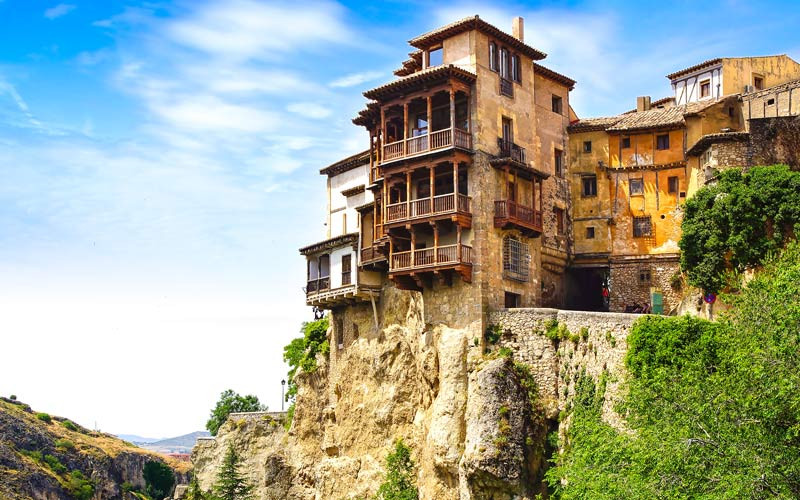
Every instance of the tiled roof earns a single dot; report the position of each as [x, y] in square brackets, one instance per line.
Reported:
[552, 75]
[661, 118]
[593, 124]
[419, 78]
[369, 115]
[346, 164]
[410, 65]
[474, 23]
[704, 142]
[690, 69]
[660, 102]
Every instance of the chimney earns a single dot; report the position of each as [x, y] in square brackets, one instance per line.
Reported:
[643, 103]
[518, 28]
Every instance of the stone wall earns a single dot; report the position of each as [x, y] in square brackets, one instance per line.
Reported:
[775, 140]
[627, 286]
[598, 345]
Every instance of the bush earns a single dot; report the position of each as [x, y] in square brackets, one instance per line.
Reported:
[493, 333]
[55, 464]
[301, 353]
[79, 486]
[44, 417]
[399, 483]
[69, 425]
[13, 397]
[158, 478]
[231, 402]
[65, 444]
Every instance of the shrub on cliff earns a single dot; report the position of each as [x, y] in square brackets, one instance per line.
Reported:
[158, 478]
[231, 402]
[302, 351]
[713, 408]
[735, 223]
[400, 483]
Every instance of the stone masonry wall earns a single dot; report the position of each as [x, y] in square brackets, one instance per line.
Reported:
[627, 287]
[598, 345]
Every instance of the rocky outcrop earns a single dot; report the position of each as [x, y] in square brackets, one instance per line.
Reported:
[108, 462]
[475, 414]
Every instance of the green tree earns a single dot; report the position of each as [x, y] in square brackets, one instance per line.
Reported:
[400, 483]
[735, 223]
[78, 486]
[194, 492]
[158, 478]
[713, 408]
[301, 353]
[231, 484]
[231, 402]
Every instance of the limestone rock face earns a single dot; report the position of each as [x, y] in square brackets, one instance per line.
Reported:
[463, 407]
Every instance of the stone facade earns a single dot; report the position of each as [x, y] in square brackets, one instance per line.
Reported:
[633, 279]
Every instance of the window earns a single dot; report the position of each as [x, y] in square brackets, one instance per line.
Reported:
[346, 267]
[516, 71]
[626, 143]
[559, 213]
[589, 185]
[512, 300]
[508, 130]
[504, 62]
[770, 102]
[590, 232]
[558, 161]
[435, 57]
[516, 259]
[642, 227]
[705, 88]
[557, 108]
[730, 111]
[758, 82]
[493, 65]
[672, 185]
[637, 187]
[644, 276]
[587, 146]
[662, 141]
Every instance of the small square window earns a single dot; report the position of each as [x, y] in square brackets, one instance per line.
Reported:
[672, 185]
[512, 300]
[705, 88]
[559, 162]
[637, 187]
[589, 185]
[590, 233]
[626, 143]
[662, 141]
[758, 82]
[587, 146]
[771, 101]
[642, 227]
[644, 276]
[557, 104]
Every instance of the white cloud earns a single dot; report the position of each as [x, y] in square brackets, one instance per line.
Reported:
[212, 113]
[356, 79]
[59, 10]
[22, 106]
[244, 29]
[309, 110]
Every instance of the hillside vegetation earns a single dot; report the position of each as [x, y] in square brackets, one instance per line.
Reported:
[43, 456]
[713, 409]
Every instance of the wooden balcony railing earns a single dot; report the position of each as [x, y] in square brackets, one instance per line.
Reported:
[431, 257]
[510, 150]
[506, 87]
[318, 285]
[511, 212]
[371, 254]
[433, 141]
[442, 204]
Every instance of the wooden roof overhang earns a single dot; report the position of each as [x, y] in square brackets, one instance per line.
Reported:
[666, 127]
[658, 166]
[370, 116]
[522, 169]
[346, 164]
[692, 69]
[552, 75]
[438, 35]
[419, 83]
[331, 243]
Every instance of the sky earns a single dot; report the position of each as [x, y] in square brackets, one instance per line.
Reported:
[159, 169]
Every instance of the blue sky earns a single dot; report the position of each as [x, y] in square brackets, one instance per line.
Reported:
[159, 169]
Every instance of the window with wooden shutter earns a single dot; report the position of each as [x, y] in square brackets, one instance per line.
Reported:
[346, 269]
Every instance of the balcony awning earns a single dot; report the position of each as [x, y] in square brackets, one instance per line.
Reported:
[419, 80]
[335, 242]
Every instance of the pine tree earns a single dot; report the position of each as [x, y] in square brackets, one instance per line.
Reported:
[194, 492]
[231, 484]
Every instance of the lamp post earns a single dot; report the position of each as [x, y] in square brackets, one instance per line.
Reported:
[283, 384]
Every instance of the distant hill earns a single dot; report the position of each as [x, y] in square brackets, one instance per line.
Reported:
[45, 456]
[180, 444]
[133, 438]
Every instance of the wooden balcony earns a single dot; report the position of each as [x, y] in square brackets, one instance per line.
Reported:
[439, 140]
[372, 256]
[318, 285]
[509, 213]
[408, 265]
[319, 293]
[437, 207]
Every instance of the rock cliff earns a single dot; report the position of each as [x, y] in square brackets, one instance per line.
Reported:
[475, 412]
[39, 453]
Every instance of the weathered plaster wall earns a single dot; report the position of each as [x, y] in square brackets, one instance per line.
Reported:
[643, 149]
[590, 211]
[738, 72]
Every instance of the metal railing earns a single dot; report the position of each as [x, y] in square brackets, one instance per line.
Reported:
[510, 150]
